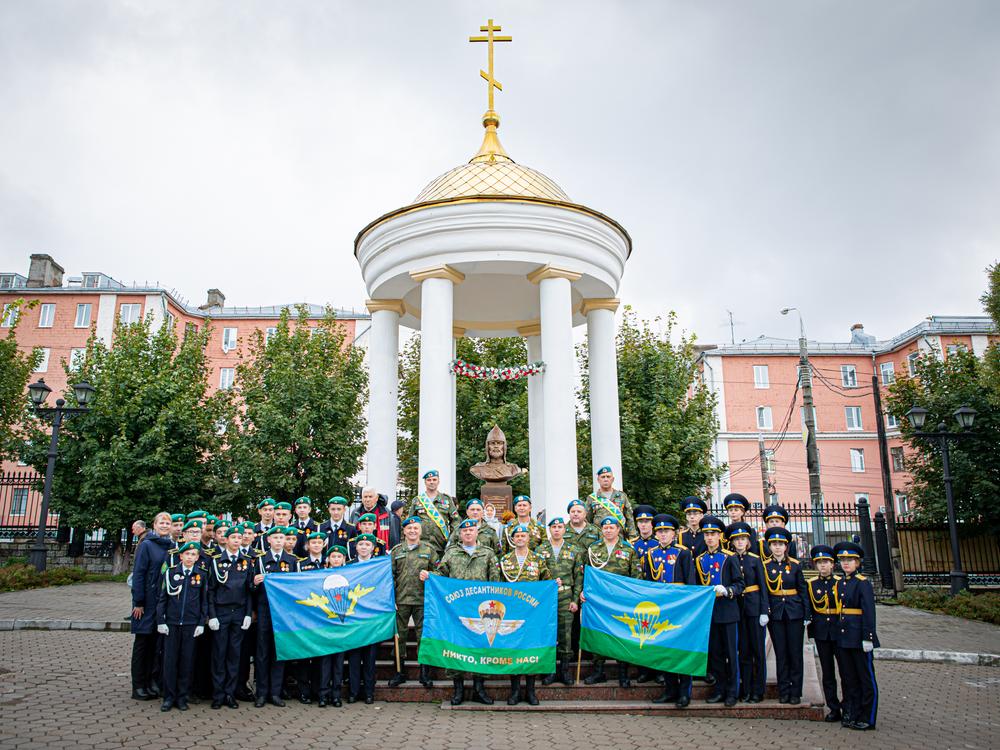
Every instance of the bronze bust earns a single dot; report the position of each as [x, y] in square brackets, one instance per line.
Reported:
[495, 468]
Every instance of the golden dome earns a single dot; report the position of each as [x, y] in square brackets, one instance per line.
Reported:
[491, 172]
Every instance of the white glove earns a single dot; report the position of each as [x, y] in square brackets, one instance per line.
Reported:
[246, 623]
[163, 630]
[763, 620]
[198, 631]
[213, 624]
[867, 646]
[720, 590]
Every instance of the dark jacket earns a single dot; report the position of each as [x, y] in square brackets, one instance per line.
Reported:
[267, 564]
[395, 530]
[345, 533]
[722, 568]
[693, 541]
[301, 535]
[147, 578]
[857, 611]
[825, 624]
[229, 584]
[671, 565]
[786, 589]
[754, 601]
[183, 598]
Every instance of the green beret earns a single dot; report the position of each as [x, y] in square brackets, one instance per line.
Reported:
[266, 501]
[177, 517]
[282, 506]
[275, 530]
[365, 538]
[304, 501]
[190, 545]
[338, 500]
[366, 517]
[337, 548]
[316, 535]
[233, 530]
[212, 519]
[194, 523]
[196, 514]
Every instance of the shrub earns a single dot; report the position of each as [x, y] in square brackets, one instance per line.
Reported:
[19, 576]
[984, 606]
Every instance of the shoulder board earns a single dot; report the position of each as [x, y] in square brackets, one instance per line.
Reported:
[753, 554]
[728, 552]
[837, 577]
[680, 546]
[792, 559]
[860, 577]
[300, 559]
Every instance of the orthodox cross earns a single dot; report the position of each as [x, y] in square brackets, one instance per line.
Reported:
[490, 38]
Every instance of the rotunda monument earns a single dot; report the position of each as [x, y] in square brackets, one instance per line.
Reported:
[495, 248]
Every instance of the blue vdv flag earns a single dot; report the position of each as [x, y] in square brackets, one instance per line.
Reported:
[489, 627]
[328, 611]
[660, 626]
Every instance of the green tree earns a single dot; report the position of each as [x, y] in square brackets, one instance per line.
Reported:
[991, 297]
[941, 386]
[301, 398]
[668, 423]
[146, 443]
[479, 405]
[16, 369]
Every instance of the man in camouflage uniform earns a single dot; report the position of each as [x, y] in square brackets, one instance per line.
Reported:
[565, 563]
[522, 513]
[579, 531]
[409, 558]
[438, 513]
[487, 536]
[607, 501]
[612, 555]
[468, 562]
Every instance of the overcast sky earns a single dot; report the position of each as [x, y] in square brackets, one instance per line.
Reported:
[842, 157]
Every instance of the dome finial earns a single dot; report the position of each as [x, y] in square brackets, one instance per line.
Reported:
[491, 150]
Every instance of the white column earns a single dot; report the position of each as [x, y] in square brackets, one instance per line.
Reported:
[536, 418]
[383, 386]
[452, 465]
[558, 387]
[605, 427]
[437, 400]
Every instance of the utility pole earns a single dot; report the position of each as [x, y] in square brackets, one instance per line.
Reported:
[895, 555]
[732, 328]
[812, 453]
[763, 468]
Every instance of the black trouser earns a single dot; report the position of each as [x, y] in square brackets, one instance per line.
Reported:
[857, 672]
[144, 649]
[723, 658]
[753, 659]
[331, 676]
[178, 662]
[247, 649]
[354, 657]
[827, 651]
[268, 671]
[202, 678]
[677, 685]
[308, 676]
[786, 636]
[226, 651]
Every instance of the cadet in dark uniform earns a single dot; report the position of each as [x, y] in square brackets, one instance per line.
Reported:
[366, 525]
[775, 516]
[644, 525]
[337, 530]
[736, 508]
[825, 625]
[668, 563]
[857, 640]
[268, 671]
[180, 616]
[303, 525]
[754, 614]
[693, 509]
[332, 665]
[266, 510]
[719, 568]
[308, 672]
[248, 647]
[228, 616]
[786, 590]
[364, 546]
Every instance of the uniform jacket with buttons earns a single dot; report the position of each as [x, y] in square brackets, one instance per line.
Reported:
[857, 611]
[183, 599]
[672, 564]
[754, 602]
[825, 607]
[786, 589]
[229, 583]
[721, 567]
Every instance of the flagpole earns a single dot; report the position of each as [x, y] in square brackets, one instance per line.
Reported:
[579, 660]
[396, 637]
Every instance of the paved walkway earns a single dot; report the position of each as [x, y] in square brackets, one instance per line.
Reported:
[906, 628]
[71, 689]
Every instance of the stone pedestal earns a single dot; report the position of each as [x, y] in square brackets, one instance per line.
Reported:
[498, 493]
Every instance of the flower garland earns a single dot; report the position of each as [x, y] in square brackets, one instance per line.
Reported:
[479, 372]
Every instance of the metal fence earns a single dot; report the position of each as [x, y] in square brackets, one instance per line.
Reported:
[21, 504]
[926, 555]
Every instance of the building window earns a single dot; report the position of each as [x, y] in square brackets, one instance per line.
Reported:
[228, 339]
[130, 313]
[82, 316]
[43, 364]
[91, 280]
[955, 349]
[888, 370]
[849, 376]
[226, 375]
[760, 379]
[19, 501]
[764, 418]
[902, 504]
[891, 421]
[76, 358]
[897, 459]
[189, 329]
[911, 363]
[853, 414]
[857, 460]
[220, 426]
[47, 315]
[169, 320]
[9, 315]
[769, 460]
[269, 333]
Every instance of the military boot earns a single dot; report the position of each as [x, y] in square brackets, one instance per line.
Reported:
[549, 678]
[529, 690]
[479, 692]
[565, 673]
[515, 691]
[457, 697]
[623, 680]
[425, 676]
[596, 676]
[400, 677]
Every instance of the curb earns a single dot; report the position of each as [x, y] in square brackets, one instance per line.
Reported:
[937, 657]
[121, 626]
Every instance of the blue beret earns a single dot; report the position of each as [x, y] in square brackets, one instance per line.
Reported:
[519, 529]
[575, 501]
[431, 473]
[522, 499]
[711, 523]
[411, 519]
[469, 523]
[609, 519]
[664, 521]
[558, 519]
[778, 534]
[604, 470]
[474, 501]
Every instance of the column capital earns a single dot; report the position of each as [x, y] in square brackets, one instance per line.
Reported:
[444, 271]
[378, 305]
[552, 272]
[532, 329]
[599, 303]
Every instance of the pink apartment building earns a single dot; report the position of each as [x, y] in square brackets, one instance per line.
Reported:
[755, 381]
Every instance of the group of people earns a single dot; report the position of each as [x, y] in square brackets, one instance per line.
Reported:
[196, 571]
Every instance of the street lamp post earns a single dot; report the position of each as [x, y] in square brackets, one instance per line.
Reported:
[965, 416]
[38, 392]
